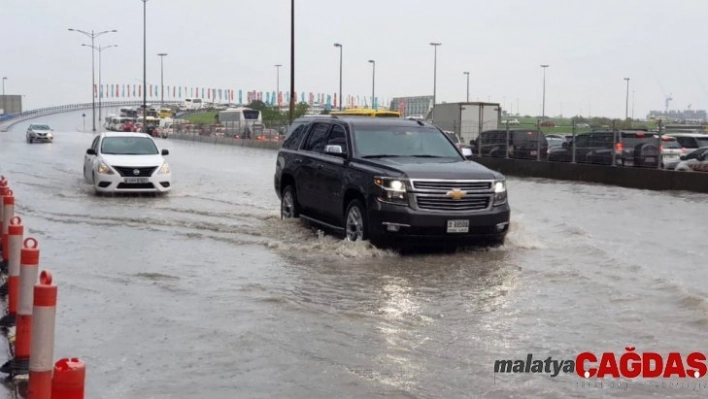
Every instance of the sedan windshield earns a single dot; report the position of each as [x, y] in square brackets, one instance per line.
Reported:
[40, 127]
[128, 146]
[403, 141]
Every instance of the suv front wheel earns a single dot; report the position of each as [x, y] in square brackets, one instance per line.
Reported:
[355, 222]
[288, 205]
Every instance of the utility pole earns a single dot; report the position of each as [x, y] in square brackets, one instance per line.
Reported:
[162, 80]
[543, 107]
[468, 85]
[435, 77]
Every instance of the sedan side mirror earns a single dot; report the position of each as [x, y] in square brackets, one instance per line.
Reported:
[334, 149]
[701, 157]
[165, 152]
[91, 151]
[682, 157]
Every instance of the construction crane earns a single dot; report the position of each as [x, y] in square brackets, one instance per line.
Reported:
[667, 98]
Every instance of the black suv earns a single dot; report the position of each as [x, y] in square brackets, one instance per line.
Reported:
[382, 179]
[522, 143]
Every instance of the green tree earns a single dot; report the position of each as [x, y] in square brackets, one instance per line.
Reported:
[301, 109]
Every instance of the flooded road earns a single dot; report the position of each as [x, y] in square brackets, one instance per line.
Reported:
[206, 293]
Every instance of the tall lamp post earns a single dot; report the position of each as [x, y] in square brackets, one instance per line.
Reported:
[93, 35]
[4, 111]
[341, 50]
[373, 82]
[100, 82]
[277, 86]
[144, 66]
[468, 85]
[626, 101]
[435, 77]
[292, 62]
[543, 107]
[162, 78]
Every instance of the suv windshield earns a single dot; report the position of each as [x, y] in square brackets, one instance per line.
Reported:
[128, 146]
[402, 141]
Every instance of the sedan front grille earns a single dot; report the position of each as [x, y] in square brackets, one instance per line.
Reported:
[129, 171]
[445, 203]
[447, 185]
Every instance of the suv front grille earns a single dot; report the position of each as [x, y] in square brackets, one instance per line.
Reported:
[447, 185]
[128, 171]
[445, 203]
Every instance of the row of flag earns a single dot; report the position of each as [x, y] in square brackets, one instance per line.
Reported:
[227, 95]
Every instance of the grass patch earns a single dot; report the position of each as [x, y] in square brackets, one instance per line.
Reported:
[203, 118]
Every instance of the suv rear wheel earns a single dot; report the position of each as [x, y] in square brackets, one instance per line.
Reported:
[355, 225]
[289, 207]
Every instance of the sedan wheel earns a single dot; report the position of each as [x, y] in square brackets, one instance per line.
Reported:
[355, 222]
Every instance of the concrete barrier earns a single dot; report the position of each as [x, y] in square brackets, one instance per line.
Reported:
[273, 145]
[642, 178]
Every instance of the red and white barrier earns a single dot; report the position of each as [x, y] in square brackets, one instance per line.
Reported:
[32, 308]
[29, 269]
[14, 249]
[8, 212]
[44, 314]
[69, 379]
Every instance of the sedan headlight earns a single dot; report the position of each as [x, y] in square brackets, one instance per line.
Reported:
[393, 191]
[164, 169]
[500, 192]
[104, 169]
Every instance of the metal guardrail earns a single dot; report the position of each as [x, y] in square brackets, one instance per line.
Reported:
[7, 121]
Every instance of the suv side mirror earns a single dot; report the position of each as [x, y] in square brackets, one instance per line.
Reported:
[165, 152]
[91, 151]
[466, 152]
[334, 149]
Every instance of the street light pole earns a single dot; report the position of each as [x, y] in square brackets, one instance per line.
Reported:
[626, 101]
[100, 81]
[435, 77]
[93, 35]
[144, 66]
[341, 50]
[292, 61]
[162, 79]
[543, 107]
[4, 110]
[277, 86]
[468, 85]
[373, 82]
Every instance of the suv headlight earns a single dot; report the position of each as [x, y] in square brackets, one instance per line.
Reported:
[104, 169]
[164, 169]
[393, 191]
[499, 192]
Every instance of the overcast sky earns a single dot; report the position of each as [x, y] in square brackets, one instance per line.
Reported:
[591, 46]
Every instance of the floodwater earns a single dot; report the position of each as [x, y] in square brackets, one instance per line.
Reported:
[206, 293]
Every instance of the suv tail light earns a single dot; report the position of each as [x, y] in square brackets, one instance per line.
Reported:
[619, 147]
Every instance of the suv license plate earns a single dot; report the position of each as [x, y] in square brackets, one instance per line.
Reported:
[136, 180]
[458, 226]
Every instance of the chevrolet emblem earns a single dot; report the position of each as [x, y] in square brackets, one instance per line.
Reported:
[456, 194]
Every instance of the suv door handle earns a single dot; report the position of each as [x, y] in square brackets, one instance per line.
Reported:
[298, 160]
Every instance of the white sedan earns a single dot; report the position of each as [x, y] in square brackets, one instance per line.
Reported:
[696, 161]
[128, 163]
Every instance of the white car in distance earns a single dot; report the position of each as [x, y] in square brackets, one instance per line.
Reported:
[127, 163]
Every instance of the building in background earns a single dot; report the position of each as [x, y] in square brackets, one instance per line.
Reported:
[10, 104]
[417, 106]
[687, 116]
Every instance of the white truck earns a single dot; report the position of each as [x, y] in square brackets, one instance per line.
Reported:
[467, 120]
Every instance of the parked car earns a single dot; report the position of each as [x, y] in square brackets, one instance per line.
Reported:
[388, 180]
[522, 144]
[456, 139]
[630, 148]
[695, 161]
[39, 132]
[126, 162]
[690, 141]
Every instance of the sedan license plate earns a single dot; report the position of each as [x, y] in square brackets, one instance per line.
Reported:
[136, 180]
[458, 226]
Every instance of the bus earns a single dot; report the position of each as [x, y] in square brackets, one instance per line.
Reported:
[192, 104]
[129, 112]
[367, 112]
[243, 122]
[166, 113]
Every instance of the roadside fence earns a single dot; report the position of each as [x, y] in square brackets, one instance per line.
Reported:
[30, 321]
[272, 132]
